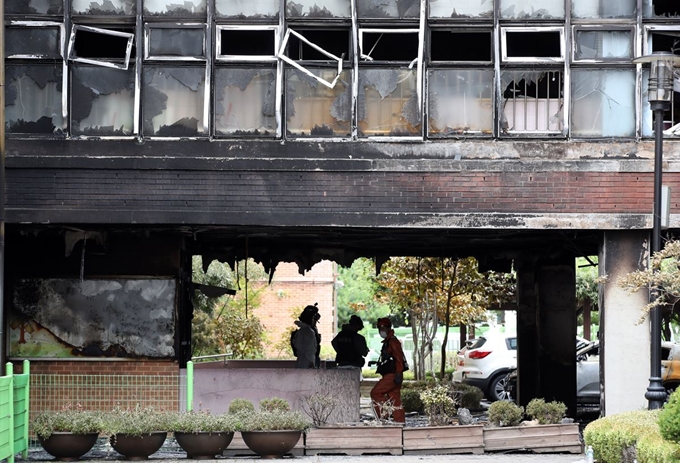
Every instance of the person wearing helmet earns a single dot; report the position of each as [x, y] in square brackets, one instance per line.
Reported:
[305, 341]
[350, 347]
[391, 366]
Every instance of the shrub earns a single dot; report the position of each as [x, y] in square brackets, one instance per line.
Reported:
[503, 413]
[241, 405]
[439, 405]
[70, 419]
[138, 421]
[274, 403]
[469, 397]
[202, 421]
[546, 412]
[669, 418]
[410, 400]
[274, 420]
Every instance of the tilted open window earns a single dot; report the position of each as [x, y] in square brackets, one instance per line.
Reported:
[101, 47]
[316, 51]
[247, 43]
[185, 42]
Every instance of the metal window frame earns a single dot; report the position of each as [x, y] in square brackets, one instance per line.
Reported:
[364, 58]
[649, 29]
[219, 57]
[282, 55]
[40, 25]
[99, 62]
[307, 18]
[602, 28]
[526, 59]
[147, 41]
[453, 28]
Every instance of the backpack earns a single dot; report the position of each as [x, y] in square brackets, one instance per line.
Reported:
[386, 363]
[292, 344]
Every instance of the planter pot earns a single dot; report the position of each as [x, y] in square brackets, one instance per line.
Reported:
[437, 440]
[66, 446]
[354, 440]
[271, 444]
[547, 438]
[203, 445]
[138, 447]
[238, 448]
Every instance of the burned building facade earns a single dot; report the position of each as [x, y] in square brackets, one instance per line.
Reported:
[141, 132]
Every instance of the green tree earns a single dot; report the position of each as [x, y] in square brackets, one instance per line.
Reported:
[356, 295]
[227, 324]
[439, 290]
[587, 292]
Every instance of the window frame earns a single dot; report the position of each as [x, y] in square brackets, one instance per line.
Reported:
[40, 25]
[451, 28]
[282, 55]
[190, 25]
[603, 28]
[99, 62]
[528, 59]
[220, 58]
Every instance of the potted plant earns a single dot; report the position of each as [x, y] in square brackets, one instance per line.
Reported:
[273, 430]
[442, 435]
[547, 433]
[69, 433]
[201, 434]
[137, 432]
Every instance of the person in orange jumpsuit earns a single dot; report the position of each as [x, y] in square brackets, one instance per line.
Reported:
[391, 367]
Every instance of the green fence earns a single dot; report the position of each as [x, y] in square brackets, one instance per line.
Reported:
[14, 412]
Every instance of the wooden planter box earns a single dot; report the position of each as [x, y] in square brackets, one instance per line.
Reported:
[437, 440]
[239, 448]
[354, 440]
[545, 438]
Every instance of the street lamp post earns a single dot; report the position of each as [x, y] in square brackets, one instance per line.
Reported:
[660, 92]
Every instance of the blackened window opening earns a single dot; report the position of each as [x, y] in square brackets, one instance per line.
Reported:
[533, 44]
[666, 7]
[97, 45]
[666, 42]
[248, 43]
[336, 42]
[390, 46]
[460, 46]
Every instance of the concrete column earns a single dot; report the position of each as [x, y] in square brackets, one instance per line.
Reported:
[624, 344]
[547, 330]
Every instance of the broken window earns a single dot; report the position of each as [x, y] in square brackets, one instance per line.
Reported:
[33, 99]
[333, 41]
[660, 38]
[389, 44]
[174, 8]
[245, 101]
[174, 101]
[671, 118]
[315, 110]
[532, 101]
[603, 102]
[305, 50]
[320, 9]
[606, 9]
[104, 7]
[603, 45]
[461, 45]
[461, 9]
[172, 42]
[460, 101]
[531, 9]
[33, 42]
[24, 7]
[388, 103]
[660, 8]
[102, 101]
[103, 47]
[527, 44]
[252, 43]
[251, 9]
[388, 9]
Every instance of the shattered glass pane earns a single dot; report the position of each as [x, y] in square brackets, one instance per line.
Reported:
[318, 8]
[530, 9]
[54, 7]
[173, 101]
[181, 42]
[315, 110]
[660, 9]
[532, 101]
[33, 99]
[245, 102]
[175, 8]
[388, 102]
[461, 8]
[247, 8]
[603, 102]
[41, 42]
[460, 101]
[388, 8]
[603, 8]
[603, 44]
[102, 101]
[104, 7]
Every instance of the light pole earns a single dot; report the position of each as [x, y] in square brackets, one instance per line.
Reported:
[660, 92]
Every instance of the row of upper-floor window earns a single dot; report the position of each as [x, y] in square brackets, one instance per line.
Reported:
[268, 10]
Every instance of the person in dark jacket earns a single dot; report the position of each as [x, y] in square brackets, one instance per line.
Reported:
[350, 347]
[301, 347]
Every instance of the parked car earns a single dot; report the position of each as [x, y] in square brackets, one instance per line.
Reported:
[486, 363]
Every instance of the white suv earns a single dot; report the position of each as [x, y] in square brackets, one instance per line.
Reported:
[486, 363]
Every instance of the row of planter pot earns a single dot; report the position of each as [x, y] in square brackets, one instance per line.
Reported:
[348, 439]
